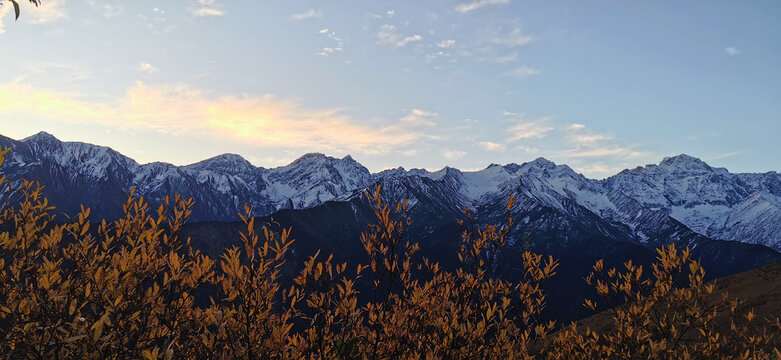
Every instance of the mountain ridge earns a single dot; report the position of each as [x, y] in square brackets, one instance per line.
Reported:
[710, 201]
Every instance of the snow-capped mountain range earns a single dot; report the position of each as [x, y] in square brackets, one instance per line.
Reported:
[710, 201]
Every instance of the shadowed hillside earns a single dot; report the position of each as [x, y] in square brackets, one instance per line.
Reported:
[759, 291]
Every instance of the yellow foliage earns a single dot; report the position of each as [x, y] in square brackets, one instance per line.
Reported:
[667, 316]
[125, 289]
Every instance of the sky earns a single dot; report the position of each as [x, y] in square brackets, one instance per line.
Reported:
[598, 85]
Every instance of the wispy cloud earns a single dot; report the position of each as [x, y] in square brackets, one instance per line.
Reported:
[453, 154]
[521, 72]
[263, 120]
[587, 139]
[446, 44]
[514, 38]
[491, 146]
[309, 14]
[146, 68]
[529, 129]
[328, 51]
[603, 151]
[732, 51]
[67, 70]
[156, 21]
[592, 153]
[339, 43]
[390, 36]
[110, 11]
[388, 14]
[432, 57]
[585, 143]
[725, 155]
[476, 4]
[205, 11]
[49, 11]
[528, 149]
[418, 117]
[270, 160]
[4, 10]
[202, 8]
[600, 169]
[504, 59]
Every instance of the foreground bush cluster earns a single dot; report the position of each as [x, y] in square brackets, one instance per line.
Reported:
[126, 289]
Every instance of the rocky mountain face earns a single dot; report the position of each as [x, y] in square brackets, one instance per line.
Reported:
[101, 178]
[732, 222]
[709, 201]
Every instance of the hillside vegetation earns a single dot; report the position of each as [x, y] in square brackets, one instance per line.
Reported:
[127, 289]
[758, 289]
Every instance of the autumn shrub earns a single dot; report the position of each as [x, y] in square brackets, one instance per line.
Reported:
[122, 291]
[127, 289]
[673, 314]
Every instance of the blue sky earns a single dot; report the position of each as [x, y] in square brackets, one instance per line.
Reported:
[598, 85]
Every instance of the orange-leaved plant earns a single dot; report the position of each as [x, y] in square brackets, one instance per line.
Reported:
[127, 289]
[673, 314]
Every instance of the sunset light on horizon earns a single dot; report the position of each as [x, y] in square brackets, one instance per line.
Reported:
[419, 84]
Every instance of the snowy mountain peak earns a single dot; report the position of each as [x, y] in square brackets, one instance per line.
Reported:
[228, 157]
[542, 162]
[41, 137]
[542, 167]
[319, 163]
[446, 171]
[43, 141]
[313, 179]
[418, 172]
[679, 166]
[230, 163]
[684, 161]
[312, 157]
[390, 173]
[710, 201]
